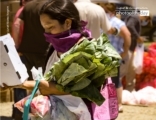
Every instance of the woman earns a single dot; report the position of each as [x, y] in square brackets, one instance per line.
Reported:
[121, 43]
[61, 23]
[63, 29]
[18, 38]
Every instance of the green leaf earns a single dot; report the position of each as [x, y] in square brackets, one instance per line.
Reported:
[59, 69]
[82, 46]
[71, 58]
[99, 81]
[99, 72]
[73, 70]
[90, 49]
[113, 72]
[83, 61]
[74, 57]
[81, 84]
[91, 93]
[59, 87]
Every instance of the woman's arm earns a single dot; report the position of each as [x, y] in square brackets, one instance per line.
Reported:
[125, 34]
[45, 87]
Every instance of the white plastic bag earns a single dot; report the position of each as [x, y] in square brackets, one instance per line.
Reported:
[138, 58]
[143, 97]
[37, 74]
[76, 105]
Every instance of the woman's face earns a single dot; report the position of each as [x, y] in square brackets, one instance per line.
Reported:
[53, 26]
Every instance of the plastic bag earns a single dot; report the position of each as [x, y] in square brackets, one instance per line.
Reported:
[37, 75]
[46, 117]
[58, 111]
[109, 109]
[76, 105]
[138, 59]
[128, 98]
[143, 97]
[39, 106]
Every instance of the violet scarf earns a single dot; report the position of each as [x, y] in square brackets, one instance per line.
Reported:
[62, 42]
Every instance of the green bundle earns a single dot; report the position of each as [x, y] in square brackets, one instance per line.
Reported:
[84, 68]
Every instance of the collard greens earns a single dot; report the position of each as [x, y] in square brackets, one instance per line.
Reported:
[84, 68]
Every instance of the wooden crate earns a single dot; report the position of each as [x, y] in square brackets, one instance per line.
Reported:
[7, 12]
[6, 96]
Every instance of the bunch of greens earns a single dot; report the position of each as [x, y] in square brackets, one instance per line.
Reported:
[83, 69]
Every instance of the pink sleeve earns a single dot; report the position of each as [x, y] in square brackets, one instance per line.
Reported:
[22, 26]
[18, 13]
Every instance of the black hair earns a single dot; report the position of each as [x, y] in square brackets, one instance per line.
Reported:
[61, 10]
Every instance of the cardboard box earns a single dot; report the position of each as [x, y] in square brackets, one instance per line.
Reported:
[13, 71]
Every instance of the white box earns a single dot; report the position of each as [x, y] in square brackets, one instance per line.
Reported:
[12, 71]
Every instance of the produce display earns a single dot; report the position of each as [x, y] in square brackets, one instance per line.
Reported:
[148, 76]
[83, 69]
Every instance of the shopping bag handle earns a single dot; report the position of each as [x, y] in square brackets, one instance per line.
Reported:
[108, 81]
[27, 104]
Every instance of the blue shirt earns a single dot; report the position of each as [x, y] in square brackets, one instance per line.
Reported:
[116, 40]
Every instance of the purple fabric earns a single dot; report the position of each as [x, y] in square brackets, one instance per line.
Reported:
[62, 42]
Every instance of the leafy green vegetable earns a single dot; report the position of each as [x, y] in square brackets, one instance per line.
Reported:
[81, 84]
[90, 92]
[84, 68]
[99, 81]
[73, 70]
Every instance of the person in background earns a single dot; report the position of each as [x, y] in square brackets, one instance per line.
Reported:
[18, 93]
[121, 43]
[133, 24]
[146, 21]
[147, 26]
[21, 27]
[30, 43]
[95, 16]
[19, 37]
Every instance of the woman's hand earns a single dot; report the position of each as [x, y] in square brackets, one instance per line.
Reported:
[123, 54]
[140, 40]
[5, 87]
